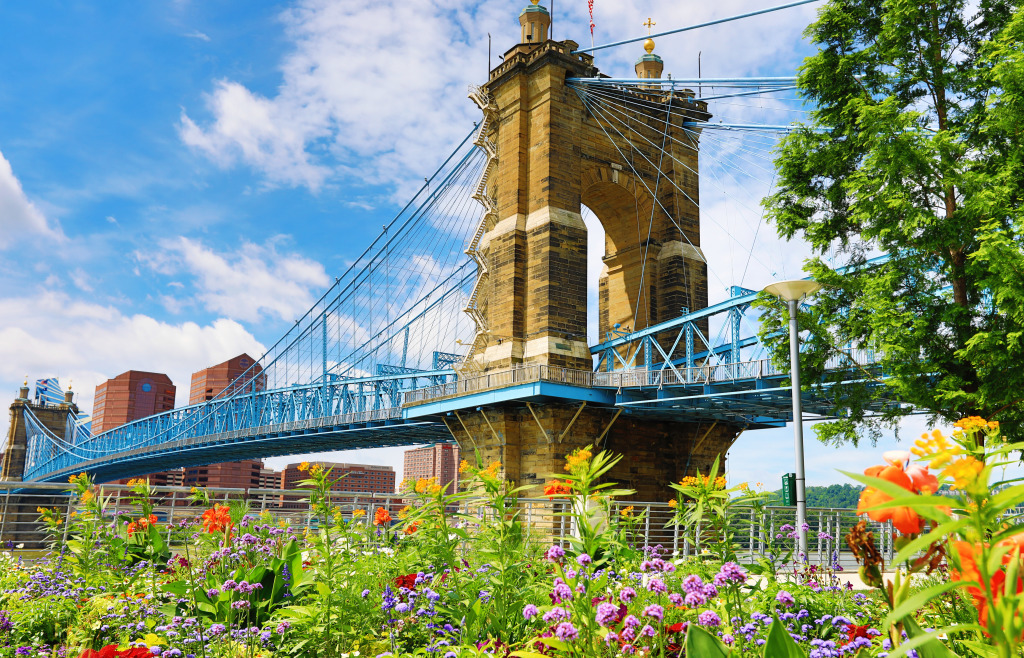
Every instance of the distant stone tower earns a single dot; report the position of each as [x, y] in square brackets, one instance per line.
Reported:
[548, 156]
[53, 416]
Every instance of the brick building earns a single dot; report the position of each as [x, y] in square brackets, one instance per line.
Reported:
[356, 478]
[246, 474]
[130, 396]
[440, 461]
[209, 382]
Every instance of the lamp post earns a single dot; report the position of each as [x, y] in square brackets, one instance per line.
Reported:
[792, 292]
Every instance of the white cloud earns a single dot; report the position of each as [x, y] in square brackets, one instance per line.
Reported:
[19, 217]
[197, 35]
[53, 334]
[376, 90]
[247, 284]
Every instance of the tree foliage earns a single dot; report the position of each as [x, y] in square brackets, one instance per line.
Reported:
[914, 151]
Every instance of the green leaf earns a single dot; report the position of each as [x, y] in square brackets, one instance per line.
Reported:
[981, 649]
[701, 643]
[916, 545]
[911, 605]
[927, 645]
[780, 644]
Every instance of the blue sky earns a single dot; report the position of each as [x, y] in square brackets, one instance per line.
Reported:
[180, 180]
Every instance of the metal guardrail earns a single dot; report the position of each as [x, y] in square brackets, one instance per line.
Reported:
[639, 378]
[20, 525]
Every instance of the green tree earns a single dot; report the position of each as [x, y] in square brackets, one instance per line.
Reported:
[909, 152]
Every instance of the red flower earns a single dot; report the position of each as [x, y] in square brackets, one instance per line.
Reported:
[407, 581]
[969, 573]
[381, 517]
[217, 518]
[108, 651]
[557, 488]
[898, 471]
[853, 631]
[677, 628]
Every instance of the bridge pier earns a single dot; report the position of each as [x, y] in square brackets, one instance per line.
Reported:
[532, 441]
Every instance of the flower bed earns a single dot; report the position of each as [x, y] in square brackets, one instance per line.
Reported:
[430, 580]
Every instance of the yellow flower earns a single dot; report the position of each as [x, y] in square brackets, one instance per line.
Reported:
[673, 503]
[282, 523]
[427, 486]
[315, 469]
[404, 512]
[464, 466]
[578, 460]
[87, 495]
[964, 471]
[358, 513]
[136, 482]
[720, 482]
[744, 486]
[971, 423]
[628, 512]
[42, 510]
[304, 466]
[937, 448]
[194, 490]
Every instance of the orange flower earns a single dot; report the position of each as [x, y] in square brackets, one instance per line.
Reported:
[557, 488]
[969, 573]
[411, 528]
[132, 527]
[217, 518]
[381, 517]
[899, 471]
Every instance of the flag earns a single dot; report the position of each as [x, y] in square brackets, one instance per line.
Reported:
[590, 6]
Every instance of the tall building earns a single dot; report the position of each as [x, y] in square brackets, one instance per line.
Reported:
[207, 384]
[130, 396]
[440, 461]
[357, 478]
[246, 474]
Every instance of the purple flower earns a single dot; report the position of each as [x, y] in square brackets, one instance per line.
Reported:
[365, 593]
[657, 585]
[607, 614]
[733, 572]
[566, 632]
[283, 627]
[554, 554]
[229, 585]
[556, 613]
[631, 622]
[240, 605]
[561, 592]
[627, 594]
[654, 610]
[785, 598]
[694, 599]
[402, 607]
[693, 583]
[213, 593]
[710, 590]
[583, 559]
[676, 599]
[648, 630]
[708, 618]
[530, 611]
[217, 629]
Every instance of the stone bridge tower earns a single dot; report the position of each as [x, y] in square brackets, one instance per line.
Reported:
[53, 416]
[553, 156]
[549, 156]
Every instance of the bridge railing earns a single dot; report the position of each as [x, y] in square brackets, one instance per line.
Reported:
[639, 378]
[547, 519]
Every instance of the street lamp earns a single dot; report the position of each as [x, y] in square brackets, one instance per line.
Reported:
[792, 292]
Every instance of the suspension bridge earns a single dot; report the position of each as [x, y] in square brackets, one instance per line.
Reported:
[467, 319]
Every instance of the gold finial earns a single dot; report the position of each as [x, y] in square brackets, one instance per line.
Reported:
[649, 44]
[534, 1]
